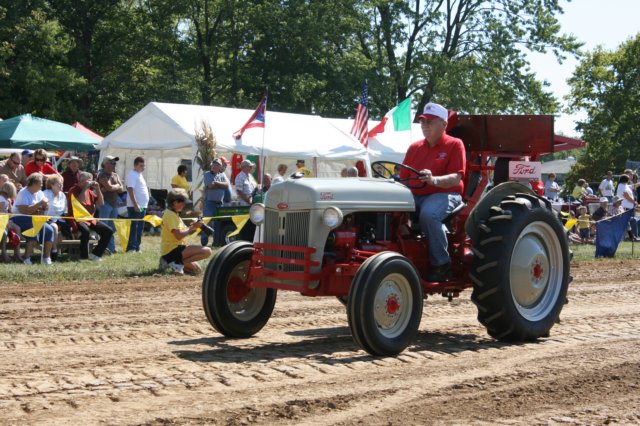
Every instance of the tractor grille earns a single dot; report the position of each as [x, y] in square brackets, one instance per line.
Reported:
[289, 229]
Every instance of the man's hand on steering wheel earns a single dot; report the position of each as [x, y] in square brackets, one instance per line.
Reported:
[414, 175]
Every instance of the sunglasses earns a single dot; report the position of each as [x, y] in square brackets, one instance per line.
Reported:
[15, 162]
[180, 200]
[39, 159]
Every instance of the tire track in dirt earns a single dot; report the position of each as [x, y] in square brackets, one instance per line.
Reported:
[151, 356]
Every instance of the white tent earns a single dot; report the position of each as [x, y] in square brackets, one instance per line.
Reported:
[164, 135]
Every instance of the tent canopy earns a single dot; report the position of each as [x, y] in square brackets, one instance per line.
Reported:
[88, 131]
[26, 131]
[165, 135]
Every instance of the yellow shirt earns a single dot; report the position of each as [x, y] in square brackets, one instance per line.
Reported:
[583, 221]
[578, 192]
[307, 172]
[180, 182]
[168, 241]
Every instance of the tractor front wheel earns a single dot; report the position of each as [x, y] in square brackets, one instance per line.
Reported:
[384, 306]
[232, 307]
[521, 269]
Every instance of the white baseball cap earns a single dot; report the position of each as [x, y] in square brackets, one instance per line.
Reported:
[432, 110]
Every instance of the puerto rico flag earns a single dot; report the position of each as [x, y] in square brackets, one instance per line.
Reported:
[256, 120]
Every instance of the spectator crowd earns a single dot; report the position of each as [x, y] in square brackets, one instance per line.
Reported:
[612, 197]
[32, 191]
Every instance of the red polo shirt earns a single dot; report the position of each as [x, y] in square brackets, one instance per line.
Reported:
[45, 169]
[446, 157]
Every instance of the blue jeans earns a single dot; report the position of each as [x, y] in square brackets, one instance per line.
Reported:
[210, 210]
[137, 226]
[25, 223]
[433, 209]
[633, 226]
[108, 211]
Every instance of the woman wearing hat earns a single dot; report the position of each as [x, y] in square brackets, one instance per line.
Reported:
[71, 174]
[174, 251]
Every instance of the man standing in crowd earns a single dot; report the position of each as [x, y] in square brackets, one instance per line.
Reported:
[111, 186]
[216, 184]
[441, 160]
[13, 168]
[302, 169]
[27, 155]
[71, 175]
[282, 169]
[551, 187]
[137, 203]
[606, 186]
[245, 183]
[352, 172]
[266, 182]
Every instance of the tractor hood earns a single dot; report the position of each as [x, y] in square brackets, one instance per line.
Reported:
[348, 194]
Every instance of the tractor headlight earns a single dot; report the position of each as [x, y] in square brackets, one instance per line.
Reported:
[256, 213]
[332, 217]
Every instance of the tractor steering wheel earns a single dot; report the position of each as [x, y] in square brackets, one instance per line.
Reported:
[381, 168]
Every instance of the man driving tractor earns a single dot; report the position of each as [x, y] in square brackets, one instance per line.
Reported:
[441, 160]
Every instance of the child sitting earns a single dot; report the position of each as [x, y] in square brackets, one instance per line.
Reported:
[11, 235]
[174, 252]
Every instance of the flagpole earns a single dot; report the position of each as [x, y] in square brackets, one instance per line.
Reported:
[42, 244]
[264, 130]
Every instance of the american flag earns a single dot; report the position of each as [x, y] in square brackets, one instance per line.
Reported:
[256, 120]
[360, 128]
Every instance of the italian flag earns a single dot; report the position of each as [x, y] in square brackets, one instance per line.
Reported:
[400, 116]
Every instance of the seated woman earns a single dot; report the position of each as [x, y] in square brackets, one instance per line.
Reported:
[174, 251]
[88, 194]
[57, 208]
[32, 202]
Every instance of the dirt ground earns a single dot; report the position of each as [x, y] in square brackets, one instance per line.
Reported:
[142, 352]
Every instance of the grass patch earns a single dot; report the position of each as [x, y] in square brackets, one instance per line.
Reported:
[145, 264]
[119, 265]
[626, 250]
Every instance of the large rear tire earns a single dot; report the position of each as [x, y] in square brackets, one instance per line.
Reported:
[521, 269]
[233, 308]
[384, 307]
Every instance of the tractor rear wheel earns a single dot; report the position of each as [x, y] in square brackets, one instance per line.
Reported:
[384, 306]
[521, 269]
[233, 308]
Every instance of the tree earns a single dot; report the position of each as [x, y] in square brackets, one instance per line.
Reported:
[467, 54]
[606, 85]
[34, 76]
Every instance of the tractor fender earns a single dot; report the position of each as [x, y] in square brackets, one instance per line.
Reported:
[492, 198]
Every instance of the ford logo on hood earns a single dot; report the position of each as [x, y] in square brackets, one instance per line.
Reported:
[283, 206]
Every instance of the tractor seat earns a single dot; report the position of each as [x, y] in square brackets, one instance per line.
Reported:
[447, 220]
[415, 221]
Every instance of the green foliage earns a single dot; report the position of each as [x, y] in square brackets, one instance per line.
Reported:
[35, 76]
[100, 61]
[469, 54]
[606, 85]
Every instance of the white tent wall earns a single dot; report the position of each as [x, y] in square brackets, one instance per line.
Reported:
[158, 163]
[164, 134]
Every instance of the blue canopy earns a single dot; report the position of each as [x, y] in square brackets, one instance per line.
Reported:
[25, 131]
